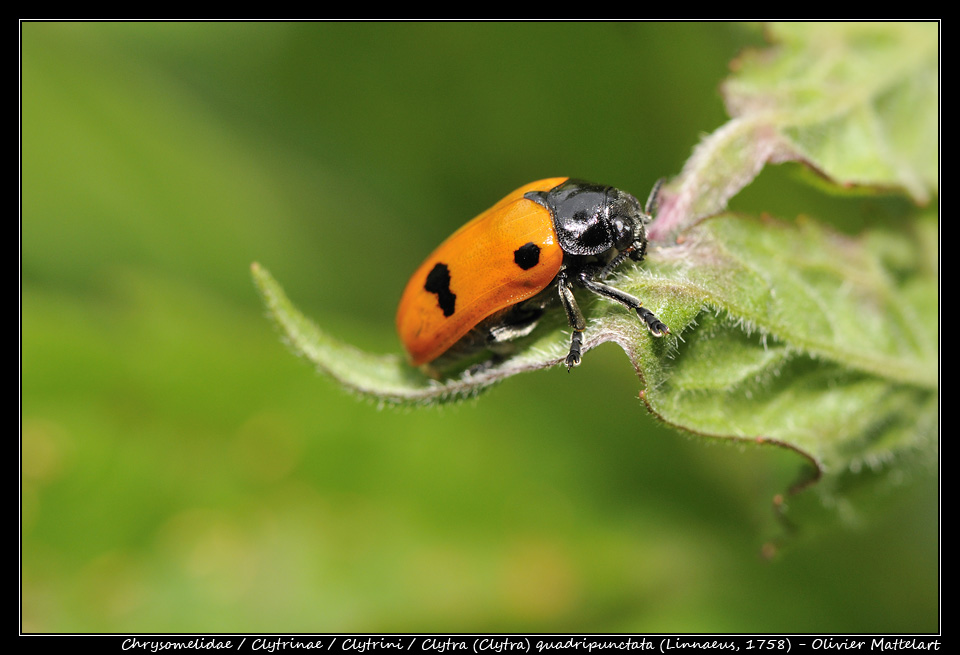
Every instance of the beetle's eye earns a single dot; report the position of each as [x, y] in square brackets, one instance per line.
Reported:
[626, 217]
[623, 232]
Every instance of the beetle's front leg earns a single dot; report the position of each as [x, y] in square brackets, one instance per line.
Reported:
[655, 325]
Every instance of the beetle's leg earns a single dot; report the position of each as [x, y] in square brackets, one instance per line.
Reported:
[574, 318]
[655, 325]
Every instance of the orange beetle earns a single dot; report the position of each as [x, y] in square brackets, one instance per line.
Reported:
[491, 281]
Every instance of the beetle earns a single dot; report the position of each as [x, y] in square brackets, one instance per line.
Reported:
[491, 281]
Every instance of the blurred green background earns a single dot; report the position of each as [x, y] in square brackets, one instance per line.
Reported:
[182, 471]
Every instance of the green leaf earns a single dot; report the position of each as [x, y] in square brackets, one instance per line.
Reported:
[857, 102]
[791, 333]
[807, 338]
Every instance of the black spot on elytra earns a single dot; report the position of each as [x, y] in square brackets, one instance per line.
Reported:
[527, 256]
[438, 282]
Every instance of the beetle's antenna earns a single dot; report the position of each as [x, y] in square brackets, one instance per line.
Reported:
[616, 261]
[653, 200]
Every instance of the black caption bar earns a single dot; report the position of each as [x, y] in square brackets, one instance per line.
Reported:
[506, 643]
